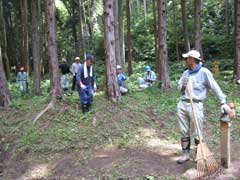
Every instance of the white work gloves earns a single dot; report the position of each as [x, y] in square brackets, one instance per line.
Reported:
[184, 84]
[83, 86]
[95, 87]
[225, 108]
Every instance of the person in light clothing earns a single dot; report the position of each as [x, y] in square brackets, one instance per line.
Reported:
[148, 80]
[199, 80]
[22, 78]
[74, 68]
[121, 79]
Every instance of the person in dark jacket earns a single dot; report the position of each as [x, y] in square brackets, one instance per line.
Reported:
[86, 83]
[65, 70]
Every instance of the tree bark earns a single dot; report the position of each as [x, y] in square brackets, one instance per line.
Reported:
[5, 99]
[236, 74]
[121, 33]
[52, 50]
[197, 17]
[81, 38]
[3, 41]
[163, 50]
[185, 26]
[155, 27]
[117, 39]
[227, 17]
[129, 52]
[35, 48]
[175, 30]
[110, 57]
[24, 34]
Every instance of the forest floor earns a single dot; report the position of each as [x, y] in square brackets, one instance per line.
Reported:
[139, 139]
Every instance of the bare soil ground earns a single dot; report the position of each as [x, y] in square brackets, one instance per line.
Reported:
[155, 159]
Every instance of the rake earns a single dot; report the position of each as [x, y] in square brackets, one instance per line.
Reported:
[206, 163]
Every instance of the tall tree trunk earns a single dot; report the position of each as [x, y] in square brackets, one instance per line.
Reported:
[121, 33]
[145, 11]
[24, 34]
[81, 38]
[197, 17]
[155, 26]
[163, 50]
[76, 42]
[52, 49]
[236, 74]
[3, 41]
[74, 30]
[5, 99]
[35, 48]
[129, 52]
[227, 17]
[109, 43]
[185, 26]
[175, 30]
[117, 39]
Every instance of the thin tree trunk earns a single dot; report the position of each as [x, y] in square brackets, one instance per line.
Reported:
[197, 17]
[175, 30]
[24, 34]
[5, 99]
[84, 24]
[82, 40]
[163, 50]
[35, 48]
[138, 7]
[155, 26]
[185, 26]
[227, 17]
[109, 43]
[236, 74]
[121, 33]
[3, 41]
[117, 39]
[129, 52]
[52, 50]
[145, 11]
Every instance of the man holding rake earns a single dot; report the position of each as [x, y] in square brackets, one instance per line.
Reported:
[194, 85]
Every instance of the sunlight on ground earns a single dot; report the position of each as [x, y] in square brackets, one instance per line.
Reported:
[38, 171]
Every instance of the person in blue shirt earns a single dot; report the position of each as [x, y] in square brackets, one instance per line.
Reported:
[86, 83]
[121, 79]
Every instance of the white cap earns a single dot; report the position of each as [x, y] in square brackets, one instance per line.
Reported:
[192, 53]
[119, 67]
[64, 60]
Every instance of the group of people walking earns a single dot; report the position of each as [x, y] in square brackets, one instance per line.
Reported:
[83, 76]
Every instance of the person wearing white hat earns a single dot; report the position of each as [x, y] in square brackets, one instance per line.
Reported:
[199, 80]
[74, 68]
[121, 79]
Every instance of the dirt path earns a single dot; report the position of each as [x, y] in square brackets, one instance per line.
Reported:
[155, 157]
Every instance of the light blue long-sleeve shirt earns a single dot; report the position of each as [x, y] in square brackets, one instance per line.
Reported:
[150, 76]
[199, 83]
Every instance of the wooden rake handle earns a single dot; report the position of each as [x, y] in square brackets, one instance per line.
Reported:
[195, 115]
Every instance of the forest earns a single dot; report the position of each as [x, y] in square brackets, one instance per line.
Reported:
[91, 89]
